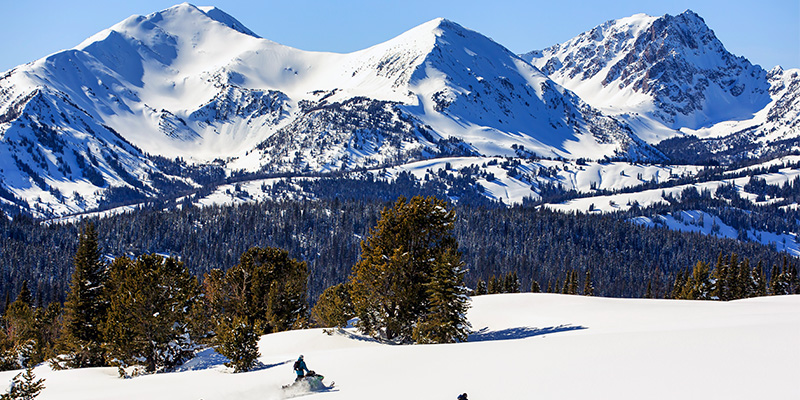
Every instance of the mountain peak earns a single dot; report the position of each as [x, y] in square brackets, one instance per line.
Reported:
[672, 68]
[690, 15]
[434, 28]
[177, 20]
[226, 19]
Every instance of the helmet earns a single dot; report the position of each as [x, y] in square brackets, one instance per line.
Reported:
[301, 357]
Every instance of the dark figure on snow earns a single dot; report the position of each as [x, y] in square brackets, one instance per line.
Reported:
[462, 396]
[300, 368]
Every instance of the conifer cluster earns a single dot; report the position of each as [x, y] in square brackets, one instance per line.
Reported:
[29, 333]
[150, 313]
[732, 279]
[507, 284]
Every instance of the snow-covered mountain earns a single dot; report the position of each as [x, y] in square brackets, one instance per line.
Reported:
[670, 76]
[167, 103]
[193, 84]
[524, 346]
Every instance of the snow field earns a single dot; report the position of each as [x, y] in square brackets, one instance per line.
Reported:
[541, 346]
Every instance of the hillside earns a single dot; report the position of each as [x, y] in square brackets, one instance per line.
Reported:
[525, 346]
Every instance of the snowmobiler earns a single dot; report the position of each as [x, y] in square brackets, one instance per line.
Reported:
[307, 380]
[300, 368]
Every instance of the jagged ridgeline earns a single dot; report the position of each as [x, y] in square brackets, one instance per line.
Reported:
[623, 257]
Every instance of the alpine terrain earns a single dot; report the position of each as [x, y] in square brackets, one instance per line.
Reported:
[165, 103]
[649, 116]
[184, 205]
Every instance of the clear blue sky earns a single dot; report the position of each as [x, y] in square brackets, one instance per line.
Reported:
[767, 32]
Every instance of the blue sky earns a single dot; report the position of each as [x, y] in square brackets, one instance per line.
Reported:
[767, 32]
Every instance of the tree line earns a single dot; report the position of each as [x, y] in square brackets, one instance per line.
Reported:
[733, 279]
[537, 244]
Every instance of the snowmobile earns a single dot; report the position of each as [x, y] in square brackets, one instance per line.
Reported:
[311, 382]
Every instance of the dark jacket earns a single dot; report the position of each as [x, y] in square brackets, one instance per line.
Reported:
[300, 367]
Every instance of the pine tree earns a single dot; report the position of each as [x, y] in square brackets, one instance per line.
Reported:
[267, 288]
[759, 281]
[85, 308]
[511, 283]
[7, 301]
[334, 307]
[24, 386]
[494, 285]
[24, 295]
[721, 279]
[445, 320]
[648, 294]
[535, 286]
[588, 287]
[743, 286]
[238, 341]
[698, 285]
[775, 282]
[9, 359]
[147, 322]
[48, 326]
[20, 330]
[791, 277]
[480, 288]
[573, 286]
[391, 283]
[680, 282]
[19, 320]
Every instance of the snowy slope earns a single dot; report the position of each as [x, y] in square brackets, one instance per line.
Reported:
[670, 76]
[702, 222]
[502, 180]
[541, 346]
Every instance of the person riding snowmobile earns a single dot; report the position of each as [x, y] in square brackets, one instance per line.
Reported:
[300, 368]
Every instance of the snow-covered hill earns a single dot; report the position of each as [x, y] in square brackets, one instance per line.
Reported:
[670, 76]
[525, 346]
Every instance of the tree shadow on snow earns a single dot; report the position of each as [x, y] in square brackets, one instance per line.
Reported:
[485, 334]
[208, 358]
[350, 335]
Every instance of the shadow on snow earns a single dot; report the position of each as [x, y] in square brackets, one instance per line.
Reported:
[208, 358]
[485, 334]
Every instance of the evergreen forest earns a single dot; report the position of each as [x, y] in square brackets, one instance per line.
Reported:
[536, 244]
